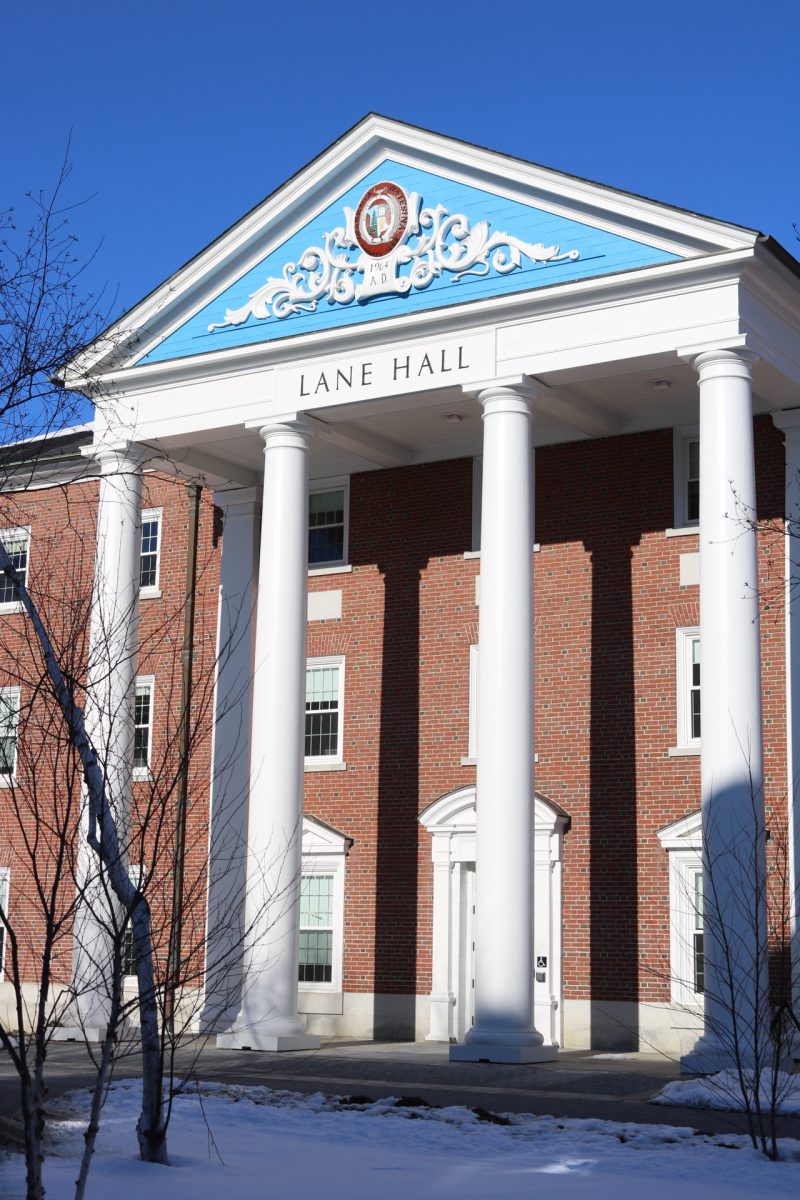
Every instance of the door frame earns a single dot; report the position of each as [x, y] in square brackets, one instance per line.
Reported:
[450, 820]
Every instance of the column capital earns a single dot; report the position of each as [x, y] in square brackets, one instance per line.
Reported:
[507, 393]
[292, 433]
[117, 456]
[723, 363]
[239, 501]
[788, 421]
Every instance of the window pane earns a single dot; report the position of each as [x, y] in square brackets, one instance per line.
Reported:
[17, 549]
[148, 564]
[326, 526]
[141, 725]
[316, 901]
[9, 714]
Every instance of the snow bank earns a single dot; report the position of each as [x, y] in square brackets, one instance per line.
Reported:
[252, 1143]
[726, 1091]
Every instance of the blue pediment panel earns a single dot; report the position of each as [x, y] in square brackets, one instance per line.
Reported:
[401, 241]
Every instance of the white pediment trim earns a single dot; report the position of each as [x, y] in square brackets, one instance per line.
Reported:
[685, 834]
[375, 138]
[320, 839]
[455, 812]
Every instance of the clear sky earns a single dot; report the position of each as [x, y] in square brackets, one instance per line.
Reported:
[185, 114]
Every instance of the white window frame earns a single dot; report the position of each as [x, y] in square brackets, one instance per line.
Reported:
[324, 853]
[144, 774]
[684, 639]
[152, 591]
[17, 533]
[329, 762]
[5, 889]
[8, 779]
[681, 440]
[332, 485]
[683, 842]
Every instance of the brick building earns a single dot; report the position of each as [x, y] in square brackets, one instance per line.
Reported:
[500, 799]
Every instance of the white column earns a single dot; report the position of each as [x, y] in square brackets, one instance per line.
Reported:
[109, 718]
[441, 998]
[789, 422]
[268, 1017]
[227, 841]
[504, 1030]
[732, 766]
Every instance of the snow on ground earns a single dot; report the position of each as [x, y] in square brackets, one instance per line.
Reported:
[255, 1144]
[724, 1091]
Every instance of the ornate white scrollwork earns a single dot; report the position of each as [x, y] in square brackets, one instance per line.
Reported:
[435, 243]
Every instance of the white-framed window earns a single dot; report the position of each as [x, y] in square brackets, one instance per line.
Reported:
[472, 745]
[18, 546]
[143, 692]
[683, 842]
[150, 552]
[9, 726]
[321, 909]
[4, 881]
[687, 687]
[316, 927]
[324, 711]
[136, 876]
[687, 478]
[328, 513]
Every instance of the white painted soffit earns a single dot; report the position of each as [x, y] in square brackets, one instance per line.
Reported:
[287, 209]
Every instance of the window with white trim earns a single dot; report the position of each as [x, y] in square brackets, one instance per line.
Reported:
[143, 726]
[17, 543]
[4, 876]
[327, 524]
[687, 669]
[129, 960]
[9, 727]
[316, 928]
[324, 711]
[683, 841]
[150, 551]
[321, 915]
[687, 478]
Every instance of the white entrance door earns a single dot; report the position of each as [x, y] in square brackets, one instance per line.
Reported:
[451, 822]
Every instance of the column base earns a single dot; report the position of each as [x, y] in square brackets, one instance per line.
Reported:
[253, 1039]
[499, 1052]
[708, 1057]
[77, 1033]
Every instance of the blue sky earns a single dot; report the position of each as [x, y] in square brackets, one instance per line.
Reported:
[184, 115]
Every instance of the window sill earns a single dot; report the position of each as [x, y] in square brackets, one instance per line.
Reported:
[142, 775]
[683, 751]
[149, 593]
[340, 569]
[8, 781]
[684, 531]
[318, 765]
[13, 606]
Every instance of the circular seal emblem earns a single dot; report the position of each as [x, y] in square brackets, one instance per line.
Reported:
[381, 219]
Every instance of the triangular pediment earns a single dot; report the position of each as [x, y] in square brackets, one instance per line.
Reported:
[393, 222]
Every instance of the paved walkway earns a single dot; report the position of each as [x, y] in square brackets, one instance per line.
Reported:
[580, 1084]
